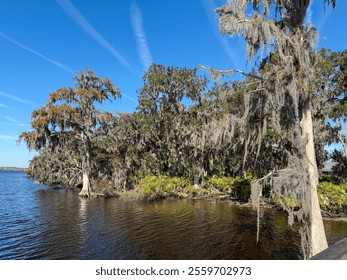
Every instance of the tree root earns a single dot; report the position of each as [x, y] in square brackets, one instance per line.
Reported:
[85, 194]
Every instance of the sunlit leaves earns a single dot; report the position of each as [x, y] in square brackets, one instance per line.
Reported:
[165, 87]
[72, 109]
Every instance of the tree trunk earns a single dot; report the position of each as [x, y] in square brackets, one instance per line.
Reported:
[86, 189]
[85, 192]
[316, 234]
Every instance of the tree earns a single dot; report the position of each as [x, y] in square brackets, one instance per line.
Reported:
[332, 88]
[330, 109]
[284, 75]
[68, 121]
[337, 86]
[161, 103]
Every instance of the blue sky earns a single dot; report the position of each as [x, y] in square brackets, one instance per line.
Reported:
[44, 42]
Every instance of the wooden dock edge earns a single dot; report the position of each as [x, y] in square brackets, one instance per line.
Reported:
[337, 251]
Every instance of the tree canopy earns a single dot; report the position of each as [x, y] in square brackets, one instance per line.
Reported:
[69, 120]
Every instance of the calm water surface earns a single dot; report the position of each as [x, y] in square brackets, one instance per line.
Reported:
[37, 222]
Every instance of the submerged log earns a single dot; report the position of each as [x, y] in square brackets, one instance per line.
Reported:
[337, 251]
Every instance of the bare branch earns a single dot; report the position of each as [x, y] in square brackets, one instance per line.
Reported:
[229, 72]
[261, 179]
[259, 89]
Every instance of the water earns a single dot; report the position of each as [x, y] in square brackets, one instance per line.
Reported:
[37, 222]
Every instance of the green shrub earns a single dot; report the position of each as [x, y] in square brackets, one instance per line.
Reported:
[288, 202]
[164, 186]
[332, 197]
[236, 186]
[220, 183]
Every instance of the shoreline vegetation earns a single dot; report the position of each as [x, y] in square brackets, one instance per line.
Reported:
[236, 190]
[332, 195]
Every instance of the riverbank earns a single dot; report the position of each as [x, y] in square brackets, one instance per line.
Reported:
[12, 169]
[236, 190]
[332, 196]
[216, 197]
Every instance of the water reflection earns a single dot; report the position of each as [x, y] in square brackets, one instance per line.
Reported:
[59, 225]
[192, 230]
[82, 215]
[43, 223]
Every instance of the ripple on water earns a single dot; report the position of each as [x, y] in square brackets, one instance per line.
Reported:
[37, 222]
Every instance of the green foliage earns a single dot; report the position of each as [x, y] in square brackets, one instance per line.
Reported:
[165, 87]
[332, 197]
[154, 187]
[164, 186]
[289, 202]
[220, 183]
[150, 163]
[330, 87]
[271, 134]
[339, 170]
[238, 187]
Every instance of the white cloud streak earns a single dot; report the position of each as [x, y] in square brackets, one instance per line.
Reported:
[76, 15]
[210, 6]
[322, 20]
[15, 122]
[309, 13]
[50, 60]
[15, 98]
[8, 138]
[129, 98]
[4, 106]
[141, 41]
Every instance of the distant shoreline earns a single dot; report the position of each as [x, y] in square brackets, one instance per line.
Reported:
[11, 169]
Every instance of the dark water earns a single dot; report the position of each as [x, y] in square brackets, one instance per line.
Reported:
[37, 222]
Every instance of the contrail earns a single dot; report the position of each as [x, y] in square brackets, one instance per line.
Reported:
[8, 137]
[322, 19]
[15, 122]
[54, 62]
[309, 13]
[210, 6]
[129, 97]
[10, 96]
[50, 60]
[76, 15]
[4, 106]
[142, 46]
